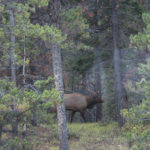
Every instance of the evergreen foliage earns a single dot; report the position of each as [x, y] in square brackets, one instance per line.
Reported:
[137, 118]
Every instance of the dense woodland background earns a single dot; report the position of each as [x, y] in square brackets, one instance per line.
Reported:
[86, 45]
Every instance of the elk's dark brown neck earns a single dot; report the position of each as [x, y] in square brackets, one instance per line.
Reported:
[91, 101]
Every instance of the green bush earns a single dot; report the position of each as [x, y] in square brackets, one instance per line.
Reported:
[27, 102]
[137, 126]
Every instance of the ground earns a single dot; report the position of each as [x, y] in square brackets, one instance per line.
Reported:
[89, 136]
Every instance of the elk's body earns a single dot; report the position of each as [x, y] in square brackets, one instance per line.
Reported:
[77, 102]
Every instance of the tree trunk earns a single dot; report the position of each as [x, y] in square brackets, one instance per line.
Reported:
[13, 68]
[72, 81]
[84, 89]
[61, 115]
[1, 128]
[147, 5]
[55, 7]
[116, 59]
[24, 133]
[98, 89]
[24, 130]
[24, 62]
[12, 43]
[97, 4]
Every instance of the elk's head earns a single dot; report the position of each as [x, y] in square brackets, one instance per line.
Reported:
[96, 96]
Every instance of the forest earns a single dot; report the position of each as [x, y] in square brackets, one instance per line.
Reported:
[74, 74]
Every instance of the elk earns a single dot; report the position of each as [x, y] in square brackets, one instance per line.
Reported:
[76, 102]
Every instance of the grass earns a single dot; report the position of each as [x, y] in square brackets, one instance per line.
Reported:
[82, 136]
[94, 136]
[89, 136]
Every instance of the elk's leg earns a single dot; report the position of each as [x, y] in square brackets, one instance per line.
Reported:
[82, 114]
[72, 115]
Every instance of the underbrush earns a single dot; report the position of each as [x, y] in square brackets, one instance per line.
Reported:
[89, 136]
[96, 136]
[82, 136]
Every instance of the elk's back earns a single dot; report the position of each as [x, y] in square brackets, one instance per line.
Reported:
[75, 101]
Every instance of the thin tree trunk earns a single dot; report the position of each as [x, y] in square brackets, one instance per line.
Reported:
[98, 89]
[1, 128]
[147, 5]
[13, 68]
[72, 81]
[24, 133]
[88, 113]
[24, 130]
[12, 43]
[61, 115]
[97, 4]
[24, 62]
[116, 59]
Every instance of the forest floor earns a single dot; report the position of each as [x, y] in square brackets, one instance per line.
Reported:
[89, 136]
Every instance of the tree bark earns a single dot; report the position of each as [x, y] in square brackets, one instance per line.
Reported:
[1, 128]
[13, 68]
[61, 115]
[24, 133]
[24, 130]
[98, 89]
[24, 63]
[95, 26]
[12, 43]
[147, 5]
[84, 89]
[116, 59]
[55, 7]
